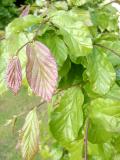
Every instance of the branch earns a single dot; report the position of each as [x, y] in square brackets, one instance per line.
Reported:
[105, 4]
[38, 29]
[111, 50]
[43, 102]
[110, 2]
[36, 33]
[60, 90]
[2, 38]
[25, 112]
[86, 140]
[22, 47]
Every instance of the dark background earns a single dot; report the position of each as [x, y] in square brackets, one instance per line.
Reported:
[9, 9]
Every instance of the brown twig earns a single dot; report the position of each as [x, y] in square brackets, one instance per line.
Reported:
[2, 38]
[106, 4]
[40, 104]
[43, 102]
[110, 2]
[60, 90]
[25, 112]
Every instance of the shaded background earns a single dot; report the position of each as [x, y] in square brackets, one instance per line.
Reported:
[9, 9]
[9, 104]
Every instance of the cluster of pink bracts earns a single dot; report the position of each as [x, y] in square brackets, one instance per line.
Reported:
[41, 71]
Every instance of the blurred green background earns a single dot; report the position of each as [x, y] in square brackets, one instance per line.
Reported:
[9, 104]
[9, 9]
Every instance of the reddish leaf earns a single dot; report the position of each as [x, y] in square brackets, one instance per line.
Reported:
[14, 74]
[41, 70]
[25, 11]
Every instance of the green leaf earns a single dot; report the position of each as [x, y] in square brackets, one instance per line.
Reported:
[96, 132]
[75, 33]
[56, 152]
[104, 119]
[82, 15]
[105, 18]
[100, 72]
[30, 136]
[114, 92]
[93, 149]
[110, 45]
[22, 24]
[77, 2]
[114, 59]
[65, 68]
[57, 47]
[103, 151]
[117, 69]
[116, 143]
[61, 5]
[73, 77]
[76, 150]
[117, 73]
[67, 118]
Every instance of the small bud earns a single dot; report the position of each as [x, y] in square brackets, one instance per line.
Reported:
[25, 12]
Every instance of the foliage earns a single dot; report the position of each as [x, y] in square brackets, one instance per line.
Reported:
[29, 136]
[8, 11]
[72, 61]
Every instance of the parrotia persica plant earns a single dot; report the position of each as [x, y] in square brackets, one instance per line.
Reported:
[68, 54]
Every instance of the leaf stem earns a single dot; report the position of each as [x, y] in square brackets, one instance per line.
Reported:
[40, 104]
[74, 85]
[3, 38]
[111, 50]
[22, 47]
[36, 33]
[109, 3]
[86, 140]
[43, 102]
[25, 112]
[42, 23]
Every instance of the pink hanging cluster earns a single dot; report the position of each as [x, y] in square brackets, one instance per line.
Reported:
[41, 71]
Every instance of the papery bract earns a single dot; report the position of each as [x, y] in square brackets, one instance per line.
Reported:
[14, 74]
[41, 70]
